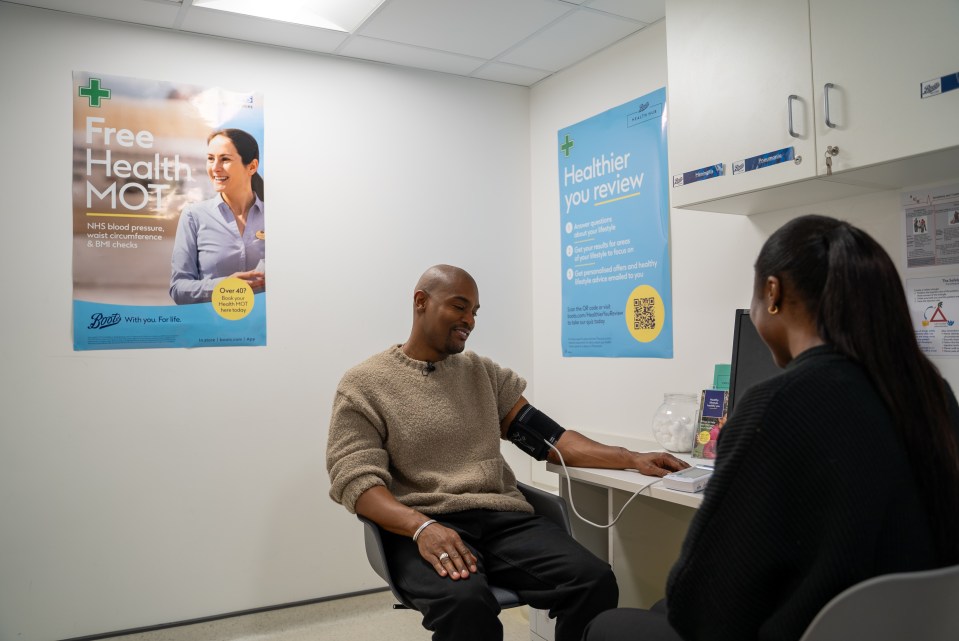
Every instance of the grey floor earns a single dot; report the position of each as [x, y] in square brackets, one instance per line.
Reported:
[368, 617]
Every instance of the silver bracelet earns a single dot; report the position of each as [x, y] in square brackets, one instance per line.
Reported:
[421, 528]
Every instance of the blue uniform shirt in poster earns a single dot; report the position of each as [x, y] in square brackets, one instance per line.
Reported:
[209, 247]
[614, 220]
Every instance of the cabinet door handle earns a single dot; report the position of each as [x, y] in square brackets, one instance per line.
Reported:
[789, 114]
[825, 103]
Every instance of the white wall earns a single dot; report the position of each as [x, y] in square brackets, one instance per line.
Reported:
[140, 487]
[712, 257]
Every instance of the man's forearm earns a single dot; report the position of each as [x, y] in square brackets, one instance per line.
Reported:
[380, 506]
[581, 451]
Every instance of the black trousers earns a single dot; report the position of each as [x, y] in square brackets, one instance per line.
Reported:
[523, 552]
[632, 624]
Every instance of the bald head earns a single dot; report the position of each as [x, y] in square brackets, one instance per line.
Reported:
[444, 312]
[440, 278]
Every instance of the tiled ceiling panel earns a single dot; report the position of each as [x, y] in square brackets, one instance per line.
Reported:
[409, 55]
[154, 14]
[513, 41]
[282, 34]
[573, 38]
[481, 29]
[648, 11]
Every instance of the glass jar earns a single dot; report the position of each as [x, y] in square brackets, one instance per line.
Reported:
[674, 423]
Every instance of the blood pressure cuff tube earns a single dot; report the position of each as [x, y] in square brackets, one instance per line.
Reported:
[531, 429]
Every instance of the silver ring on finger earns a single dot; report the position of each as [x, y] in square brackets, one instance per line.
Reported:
[444, 556]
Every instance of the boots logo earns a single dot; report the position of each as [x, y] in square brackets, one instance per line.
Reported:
[931, 88]
[99, 321]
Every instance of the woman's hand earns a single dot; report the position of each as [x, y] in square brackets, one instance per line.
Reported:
[256, 280]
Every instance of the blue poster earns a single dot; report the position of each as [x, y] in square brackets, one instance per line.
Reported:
[169, 242]
[614, 218]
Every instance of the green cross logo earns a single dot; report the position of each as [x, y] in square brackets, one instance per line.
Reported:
[93, 93]
[566, 146]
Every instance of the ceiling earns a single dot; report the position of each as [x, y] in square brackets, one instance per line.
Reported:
[518, 42]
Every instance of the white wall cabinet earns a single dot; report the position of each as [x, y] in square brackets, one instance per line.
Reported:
[731, 67]
[877, 54]
[734, 65]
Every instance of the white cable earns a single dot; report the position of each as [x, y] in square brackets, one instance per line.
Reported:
[569, 489]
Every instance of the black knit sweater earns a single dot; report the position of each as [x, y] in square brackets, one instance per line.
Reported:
[812, 493]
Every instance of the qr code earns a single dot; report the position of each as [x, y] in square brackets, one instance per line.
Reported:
[644, 316]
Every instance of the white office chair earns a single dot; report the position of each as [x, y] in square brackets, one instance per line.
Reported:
[923, 606]
[548, 505]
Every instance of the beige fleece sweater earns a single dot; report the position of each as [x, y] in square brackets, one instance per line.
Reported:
[433, 440]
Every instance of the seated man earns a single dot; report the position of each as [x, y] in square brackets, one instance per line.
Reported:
[414, 447]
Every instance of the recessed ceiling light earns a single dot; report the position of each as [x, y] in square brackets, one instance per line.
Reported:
[338, 15]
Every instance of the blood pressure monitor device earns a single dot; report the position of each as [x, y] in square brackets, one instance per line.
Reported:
[692, 479]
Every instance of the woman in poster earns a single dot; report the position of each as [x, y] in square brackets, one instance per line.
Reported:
[222, 237]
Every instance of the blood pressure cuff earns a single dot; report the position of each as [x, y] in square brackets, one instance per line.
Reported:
[531, 429]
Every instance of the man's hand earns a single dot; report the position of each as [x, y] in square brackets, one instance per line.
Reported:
[657, 463]
[440, 546]
[445, 551]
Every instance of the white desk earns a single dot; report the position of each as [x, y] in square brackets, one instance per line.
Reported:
[645, 542]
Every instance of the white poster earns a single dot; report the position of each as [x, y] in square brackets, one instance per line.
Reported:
[931, 219]
[934, 308]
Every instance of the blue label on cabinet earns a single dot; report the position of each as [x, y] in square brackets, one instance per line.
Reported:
[764, 160]
[699, 174]
[939, 85]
